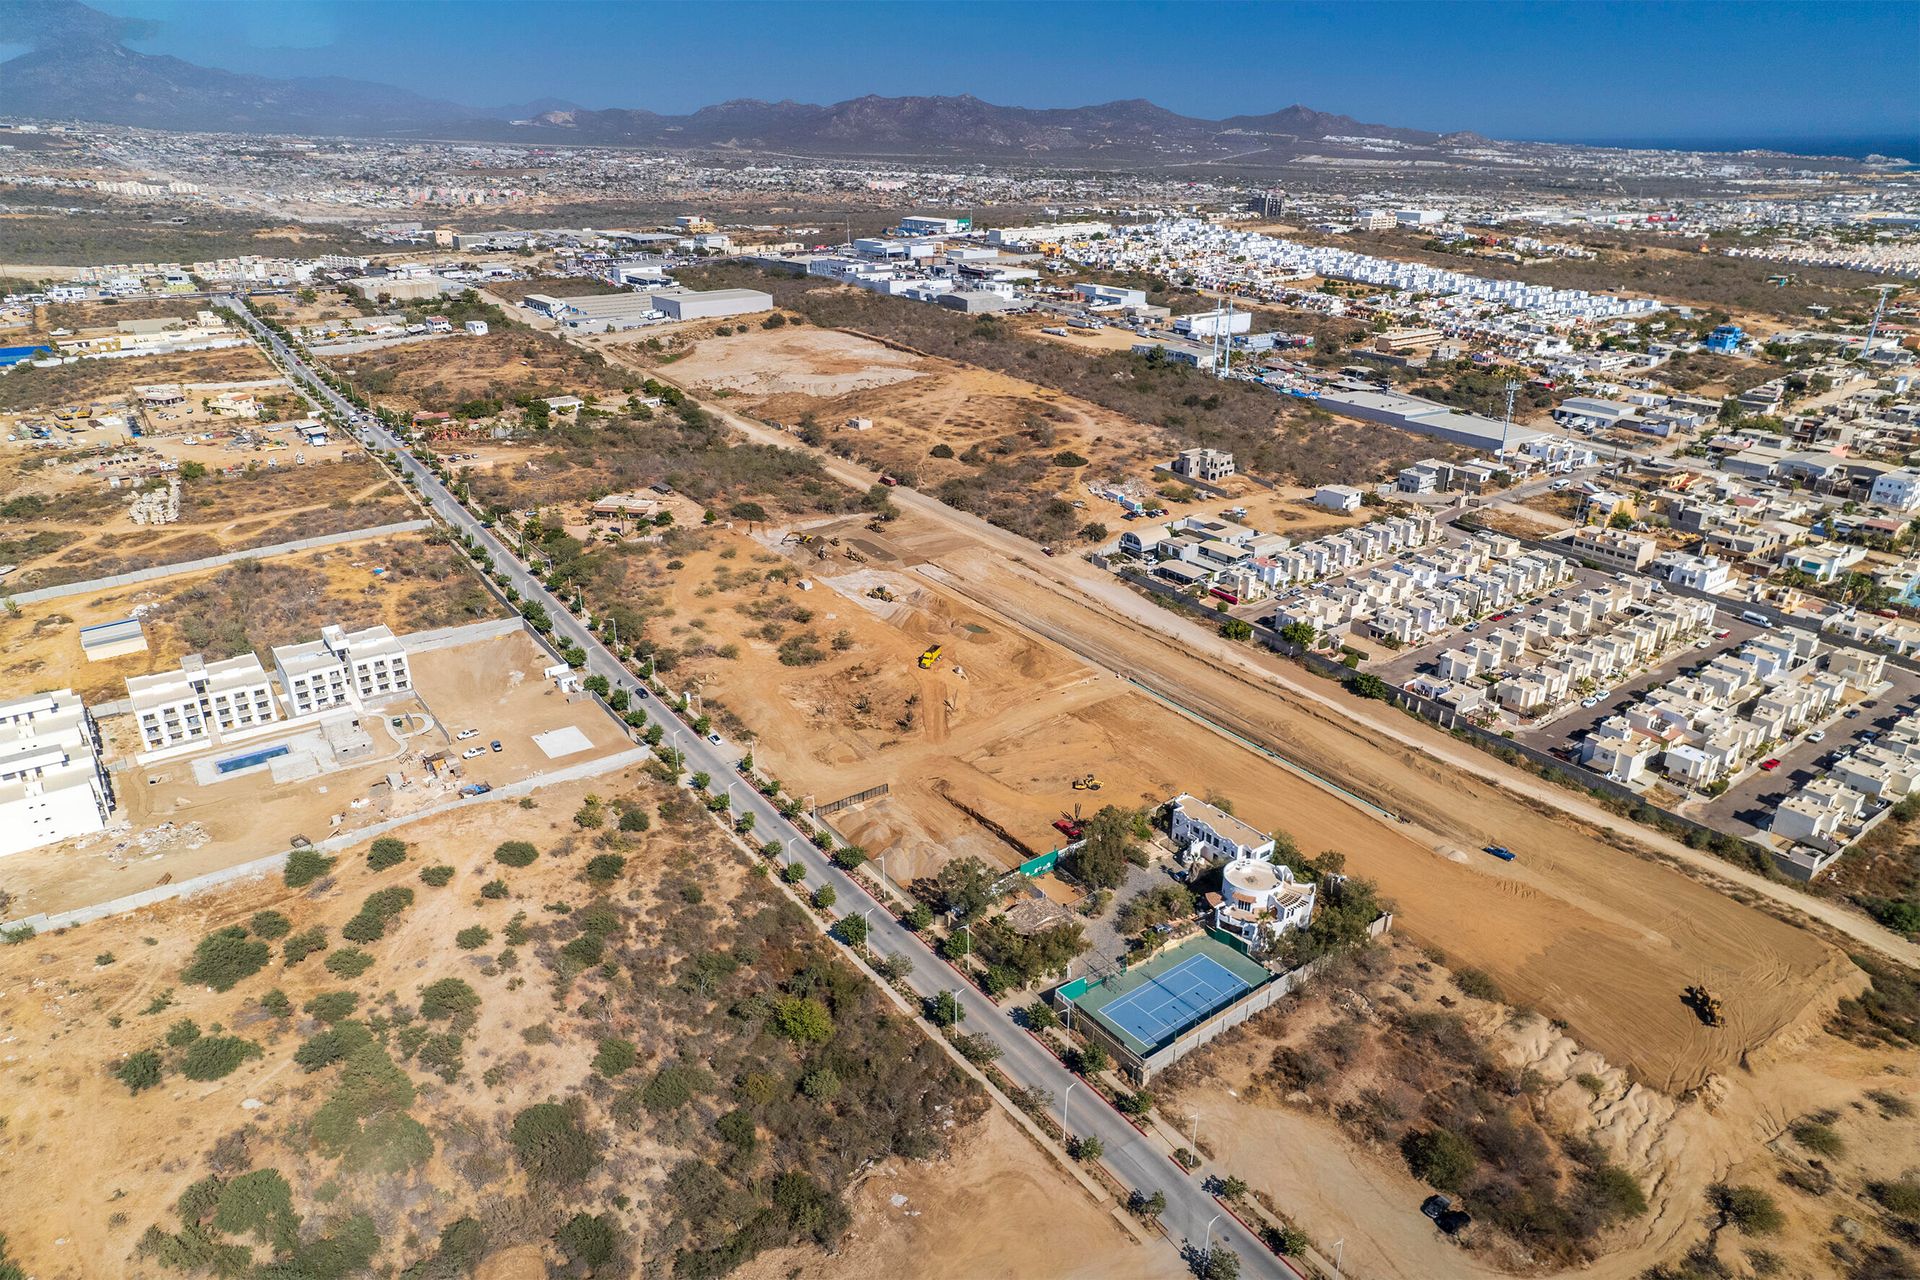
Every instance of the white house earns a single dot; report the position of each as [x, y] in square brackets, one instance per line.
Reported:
[1337, 497]
[51, 782]
[1899, 490]
[1702, 573]
[1203, 831]
[1259, 897]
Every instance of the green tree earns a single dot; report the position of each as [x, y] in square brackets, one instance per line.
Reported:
[1439, 1156]
[803, 1020]
[945, 1010]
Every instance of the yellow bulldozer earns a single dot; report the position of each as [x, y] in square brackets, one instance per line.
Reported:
[1086, 783]
[1705, 1005]
[880, 593]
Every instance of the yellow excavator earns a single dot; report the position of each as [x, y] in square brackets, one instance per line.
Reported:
[930, 657]
[1705, 1005]
[1087, 783]
[880, 593]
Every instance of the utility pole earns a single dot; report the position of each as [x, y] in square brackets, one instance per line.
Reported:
[1507, 426]
[1879, 310]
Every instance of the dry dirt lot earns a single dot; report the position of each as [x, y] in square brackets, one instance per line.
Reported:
[82, 532]
[169, 826]
[915, 403]
[435, 376]
[221, 612]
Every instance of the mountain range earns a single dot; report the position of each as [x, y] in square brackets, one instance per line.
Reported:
[78, 67]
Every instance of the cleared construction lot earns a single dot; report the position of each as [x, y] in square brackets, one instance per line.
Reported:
[980, 752]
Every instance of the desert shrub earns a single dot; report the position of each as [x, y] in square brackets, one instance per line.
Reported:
[275, 1002]
[588, 1240]
[302, 945]
[633, 819]
[349, 963]
[324, 1048]
[1750, 1209]
[552, 1145]
[1439, 1156]
[331, 1006]
[139, 1071]
[224, 957]
[673, 1087]
[1901, 1198]
[1617, 1192]
[494, 889]
[803, 1020]
[615, 1055]
[472, 937]
[437, 877]
[270, 925]
[516, 853]
[386, 852]
[1818, 1138]
[380, 906]
[605, 867]
[1477, 983]
[448, 998]
[183, 1033]
[211, 1057]
[304, 866]
[259, 1203]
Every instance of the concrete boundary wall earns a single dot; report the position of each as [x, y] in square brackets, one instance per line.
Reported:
[213, 562]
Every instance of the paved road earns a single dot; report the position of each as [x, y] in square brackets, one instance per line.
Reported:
[1135, 1160]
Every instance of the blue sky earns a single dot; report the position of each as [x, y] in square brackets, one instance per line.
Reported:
[1585, 69]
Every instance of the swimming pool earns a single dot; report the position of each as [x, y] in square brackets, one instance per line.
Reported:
[251, 759]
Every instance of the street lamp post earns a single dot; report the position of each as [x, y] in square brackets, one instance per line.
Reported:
[1072, 1085]
[1206, 1249]
[1193, 1135]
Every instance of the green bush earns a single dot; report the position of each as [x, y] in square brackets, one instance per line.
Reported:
[1750, 1209]
[260, 1204]
[551, 1144]
[673, 1087]
[386, 852]
[803, 1020]
[516, 853]
[304, 866]
[211, 1057]
[606, 867]
[224, 957]
[437, 877]
[494, 889]
[615, 1056]
[633, 818]
[472, 938]
[1617, 1192]
[1476, 983]
[448, 998]
[139, 1071]
[331, 1006]
[270, 925]
[302, 945]
[380, 906]
[1439, 1156]
[1821, 1139]
[183, 1033]
[275, 1002]
[589, 1240]
[349, 963]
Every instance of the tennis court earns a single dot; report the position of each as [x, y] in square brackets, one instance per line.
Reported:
[1151, 1004]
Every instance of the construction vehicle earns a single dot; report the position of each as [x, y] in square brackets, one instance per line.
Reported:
[802, 538]
[880, 593]
[930, 657]
[1087, 783]
[1070, 825]
[1705, 1005]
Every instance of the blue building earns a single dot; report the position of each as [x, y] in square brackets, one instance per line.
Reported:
[1726, 339]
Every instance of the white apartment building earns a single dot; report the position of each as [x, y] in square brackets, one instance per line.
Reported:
[341, 668]
[201, 699]
[51, 782]
[1899, 490]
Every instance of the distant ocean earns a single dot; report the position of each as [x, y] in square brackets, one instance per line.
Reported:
[1904, 147]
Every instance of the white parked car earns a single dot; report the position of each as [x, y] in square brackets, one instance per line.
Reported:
[1818, 735]
[715, 739]
[1589, 702]
[464, 734]
[471, 752]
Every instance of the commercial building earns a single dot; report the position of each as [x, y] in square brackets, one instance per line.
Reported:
[1211, 324]
[1612, 548]
[921, 225]
[51, 782]
[1109, 295]
[201, 699]
[604, 312]
[105, 640]
[1426, 417]
[341, 668]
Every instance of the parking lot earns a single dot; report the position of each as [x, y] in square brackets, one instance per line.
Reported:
[1747, 807]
